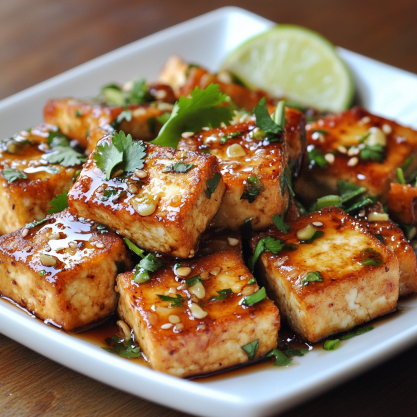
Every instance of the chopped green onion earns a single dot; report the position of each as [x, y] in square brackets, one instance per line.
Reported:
[331, 344]
[252, 299]
[400, 176]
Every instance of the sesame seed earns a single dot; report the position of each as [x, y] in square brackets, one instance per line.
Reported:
[353, 161]
[100, 245]
[206, 128]
[160, 94]
[25, 232]
[386, 129]
[317, 224]
[72, 245]
[353, 151]
[166, 326]
[140, 173]
[342, 149]
[232, 241]
[174, 319]
[187, 135]
[183, 271]
[329, 157]
[364, 120]
[215, 271]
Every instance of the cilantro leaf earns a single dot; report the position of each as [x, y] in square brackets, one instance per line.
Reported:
[267, 244]
[253, 188]
[192, 114]
[372, 152]
[280, 223]
[65, 156]
[178, 168]
[295, 352]
[12, 175]
[163, 118]
[264, 120]
[251, 348]
[139, 93]
[212, 184]
[150, 263]
[348, 190]
[107, 157]
[124, 115]
[123, 348]
[312, 277]
[281, 359]
[59, 203]
[316, 157]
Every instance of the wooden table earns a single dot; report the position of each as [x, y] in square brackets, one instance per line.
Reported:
[42, 38]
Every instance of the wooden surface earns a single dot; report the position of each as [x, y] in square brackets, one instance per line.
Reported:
[42, 38]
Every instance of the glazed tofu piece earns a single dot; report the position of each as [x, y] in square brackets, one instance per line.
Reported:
[63, 270]
[253, 169]
[402, 203]
[77, 118]
[158, 207]
[393, 238]
[184, 78]
[330, 276]
[358, 147]
[29, 179]
[187, 326]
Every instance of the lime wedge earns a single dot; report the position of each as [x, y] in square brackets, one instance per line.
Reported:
[296, 63]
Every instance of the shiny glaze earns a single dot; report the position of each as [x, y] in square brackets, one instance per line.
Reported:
[402, 203]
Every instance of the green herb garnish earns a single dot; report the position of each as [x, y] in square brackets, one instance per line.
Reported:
[295, 352]
[122, 153]
[281, 359]
[286, 182]
[163, 118]
[222, 294]
[380, 237]
[36, 223]
[59, 203]
[252, 281]
[375, 153]
[348, 190]
[253, 188]
[225, 138]
[400, 176]
[192, 281]
[251, 348]
[357, 332]
[323, 132]
[192, 114]
[254, 298]
[150, 263]
[280, 224]
[62, 152]
[370, 257]
[178, 168]
[124, 115]
[316, 157]
[407, 163]
[264, 120]
[331, 344]
[134, 248]
[312, 277]
[212, 184]
[12, 175]
[267, 244]
[174, 301]
[123, 348]
[316, 235]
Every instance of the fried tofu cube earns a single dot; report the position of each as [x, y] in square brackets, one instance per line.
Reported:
[402, 203]
[358, 147]
[253, 169]
[63, 270]
[77, 118]
[395, 241]
[206, 324]
[156, 207]
[28, 181]
[330, 276]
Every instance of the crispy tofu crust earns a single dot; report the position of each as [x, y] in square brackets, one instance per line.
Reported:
[183, 208]
[77, 118]
[259, 158]
[350, 293]
[195, 345]
[25, 200]
[345, 129]
[79, 289]
[402, 203]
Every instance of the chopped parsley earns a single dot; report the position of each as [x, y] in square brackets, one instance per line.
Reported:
[225, 138]
[124, 115]
[113, 95]
[280, 223]
[123, 348]
[316, 157]
[253, 188]
[12, 175]
[150, 263]
[331, 344]
[375, 153]
[380, 237]
[77, 113]
[178, 168]
[370, 257]
[312, 277]
[295, 352]
[62, 152]
[265, 122]
[251, 348]
[173, 301]
[110, 193]
[222, 294]
[267, 244]
[59, 203]
[348, 190]
[192, 114]
[212, 184]
[254, 298]
[122, 153]
[281, 359]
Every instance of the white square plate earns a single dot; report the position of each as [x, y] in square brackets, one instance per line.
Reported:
[206, 40]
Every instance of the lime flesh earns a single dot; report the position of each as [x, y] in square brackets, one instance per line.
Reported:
[296, 63]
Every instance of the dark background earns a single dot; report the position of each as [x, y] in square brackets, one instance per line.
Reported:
[42, 38]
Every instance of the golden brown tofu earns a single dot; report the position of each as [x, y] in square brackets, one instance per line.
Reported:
[358, 147]
[205, 324]
[63, 270]
[28, 180]
[77, 118]
[331, 281]
[402, 203]
[157, 208]
[252, 169]
[184, 78]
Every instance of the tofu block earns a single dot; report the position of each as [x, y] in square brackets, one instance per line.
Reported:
[349, 289]
[27, 198]
[183, 78]
[243, 158]
[395, 241]
[402, 203]
[63, 270]
[162, 211]
[76, 118]
[200, 335]
[347, 138]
